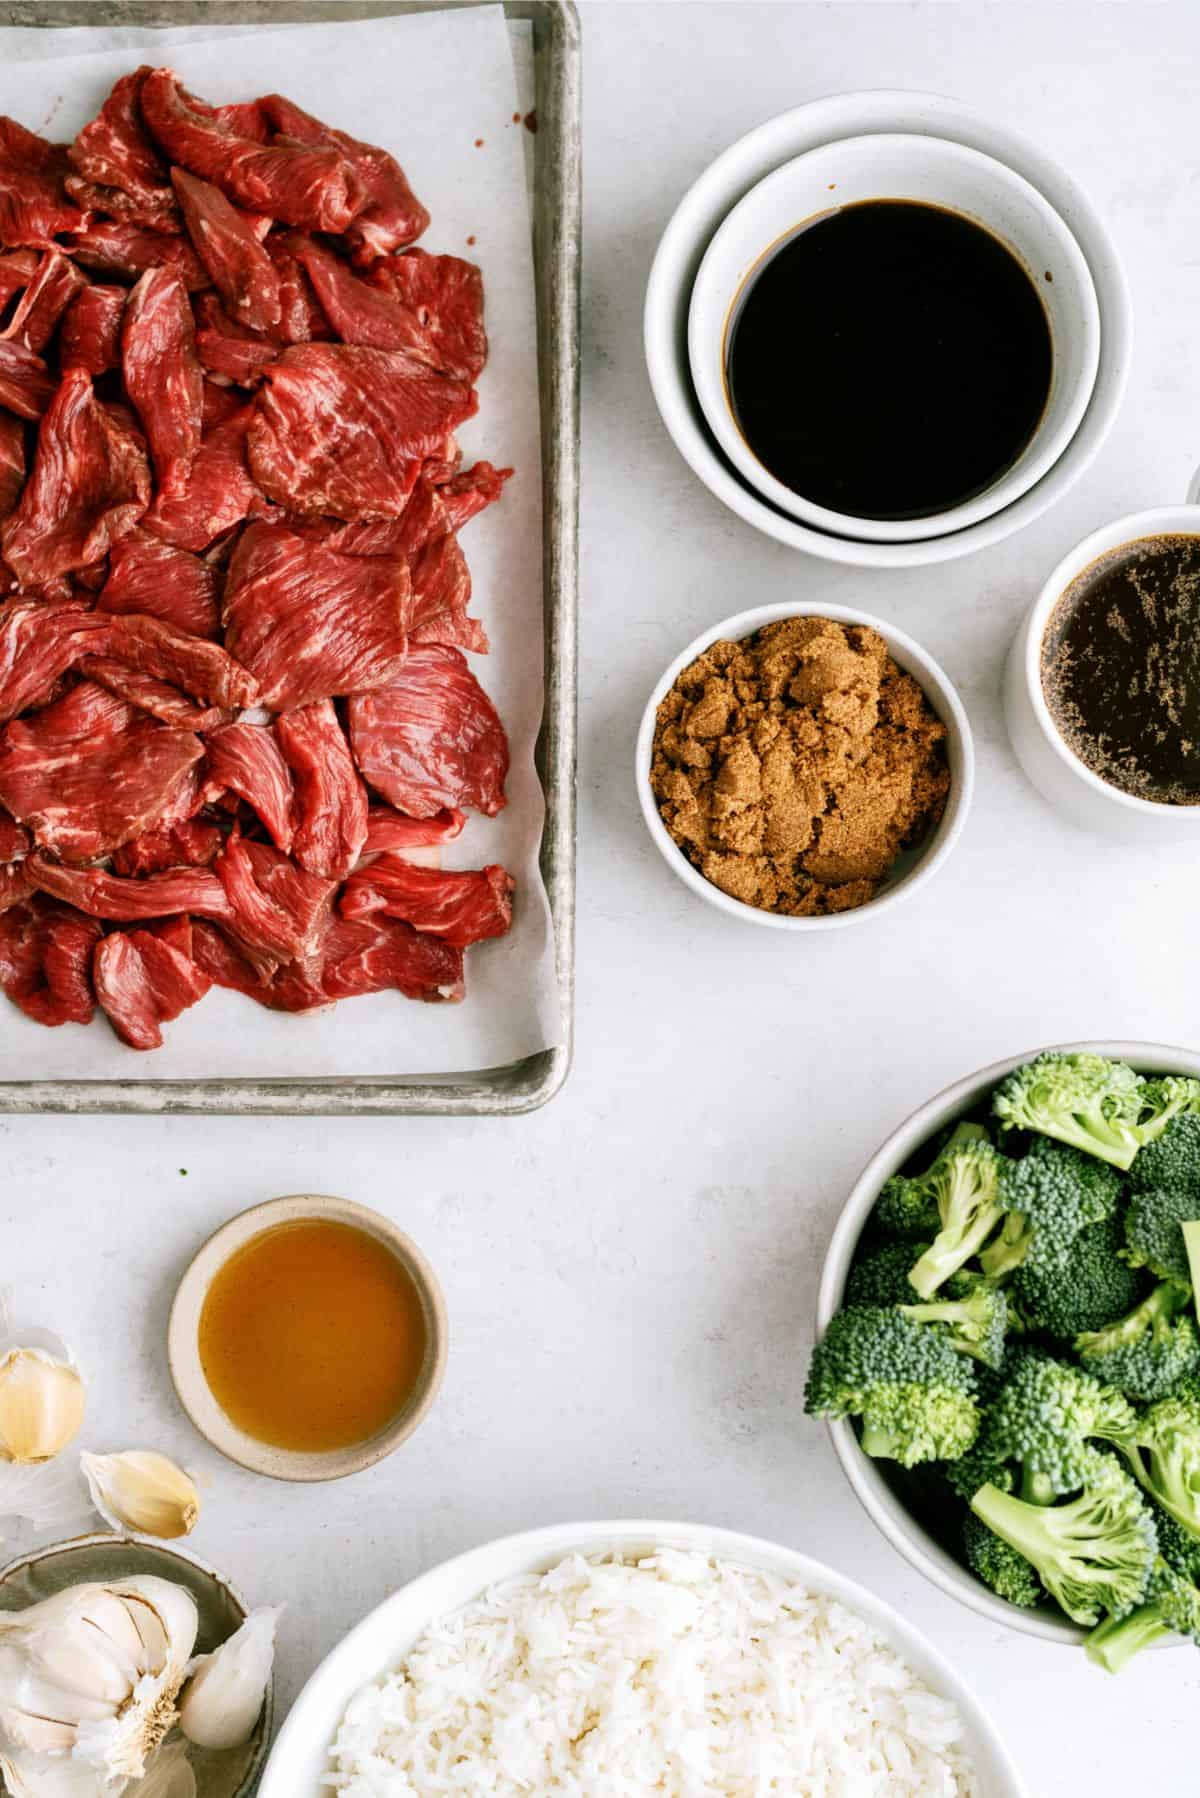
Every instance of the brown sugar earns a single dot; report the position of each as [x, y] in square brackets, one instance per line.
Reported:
[794, 767]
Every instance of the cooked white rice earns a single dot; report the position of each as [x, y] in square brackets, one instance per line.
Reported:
[675, 1674]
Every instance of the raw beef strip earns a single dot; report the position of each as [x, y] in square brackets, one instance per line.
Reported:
[220, 404]
[301, 319]
[224, 963]
[33, 205]
[89, 772]
[310, 623]
[16, 885]
[26, 384]
[331, 802]
[12, 462]
[118, 167]
[157, 698]
[122, 249]
[246, 759]
[45, 961]
[122, 901]
[390, 829]
[203, 669]
[462, 908]
[369, 955]
[143, 981]
[90, 484]
[163, 376]
[343, 429]
[56, 283]
[15, 840]
[443, 295]
[39, 641]
[220, 492]
[275, 906]
[149, 576]
[242, 272]
[431, 738]
[196, 843]
[315, 187]
[372, 311]
[17, 269]
[465, 495]
[392, 216]
[229, 351]
[91, 330]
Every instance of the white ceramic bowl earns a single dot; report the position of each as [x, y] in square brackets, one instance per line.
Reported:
[915, 866]
[301, 1753]
[938, 172]
[735, 172]
[1054, 769]
[881, 1504]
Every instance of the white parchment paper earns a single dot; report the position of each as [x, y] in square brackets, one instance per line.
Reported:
[427, 87]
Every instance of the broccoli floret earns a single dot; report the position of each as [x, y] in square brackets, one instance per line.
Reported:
[976, 1324]
[881, 1278]
[1164, 1453]
[1047, 1418]
[1095, 1553]
[914, 1394]
[1172, 1607]
[1154, 1228]
[1173, 1161]
[1177, 1546]
[1164, 1100]
[980, 1466]
[1094, 1285]
[1050, 1194]
[1150, 1351]
[998, 1565]
[965, 1182]
[907, 1205]
[1084, 1100]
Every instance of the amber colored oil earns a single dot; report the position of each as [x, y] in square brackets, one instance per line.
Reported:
[312, 1336]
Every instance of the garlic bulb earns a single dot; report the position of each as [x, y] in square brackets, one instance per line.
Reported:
[41, 1402]
[143, 1491]
[93, 1673]
[225, 1695]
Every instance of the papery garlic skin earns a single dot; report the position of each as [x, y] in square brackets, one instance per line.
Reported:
[42, 1400]
[143, 1491]
[225, 1695]
[168, 1775]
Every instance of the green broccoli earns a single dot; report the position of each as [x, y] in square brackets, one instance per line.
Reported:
[1047, 1417]
[1148, 1352]
[965, 1181]
[881, 1278]
[999, 1566]
[1164, 1453]
[907, 1205]
[1177, 1546]
[1165, 1098]
[1172, 1607]
[976, 1324]
[1084, 1100]
[980, 1466]
[1050, 1195]
[1092, 1287]
[1154, 1228]
[1095, 1553]
[1173, 1161]
[914, 1394]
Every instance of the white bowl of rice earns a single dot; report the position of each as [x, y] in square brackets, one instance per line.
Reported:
[617, 1660]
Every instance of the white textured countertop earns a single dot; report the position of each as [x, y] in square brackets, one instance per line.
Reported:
[630, 1274]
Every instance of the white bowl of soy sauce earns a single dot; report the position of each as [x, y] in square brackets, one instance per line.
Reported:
[893, 337]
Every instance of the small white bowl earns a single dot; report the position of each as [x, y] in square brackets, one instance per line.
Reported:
[719, 188]
[1054, 768]
[935, 171]
[916, 865]
[883, 1507]
[300, 1758]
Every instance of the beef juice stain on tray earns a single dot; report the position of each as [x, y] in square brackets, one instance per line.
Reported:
[312, 1336]
[1120, 666]
[890, 360]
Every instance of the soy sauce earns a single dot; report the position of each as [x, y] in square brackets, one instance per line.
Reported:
[891, 360]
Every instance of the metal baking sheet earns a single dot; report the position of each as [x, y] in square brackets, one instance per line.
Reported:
[527, 1084]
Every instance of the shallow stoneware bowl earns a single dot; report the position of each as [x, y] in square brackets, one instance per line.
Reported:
[45, 1571]
[187, 1372]
[878, 1497]
[300, 1757]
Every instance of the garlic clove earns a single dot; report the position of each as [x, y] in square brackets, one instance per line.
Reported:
[50, 1495]
[143, 1491]
[41, 1404]
[224, 1697]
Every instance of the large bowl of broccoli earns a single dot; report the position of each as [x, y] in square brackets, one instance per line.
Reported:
[1008, 1344]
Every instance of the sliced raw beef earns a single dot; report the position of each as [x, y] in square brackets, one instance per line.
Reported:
[34, 206]
[26, 384]
[203, 669]
[369, 955]
[12, 462]
[443, 296]
[217, 952]
[312, 624]
[121, 901]
[149, 576]
[16, 885]
[17, 269]
[390, 829]
[163, 376]
[275, 906]
[118, 167]
[40, 640]
[466, 494]
[431, 739]
[220, 492]
[56, 283]
[301, 319]
[242, 272]
[196, 843]
[246, 759]
[158, 699]
[15, 840]
[343, 429]
[315, 187]
[462, 908]
[122, 249]
[229, 351]
[392, 216]
[91, 330]
[372, 312]
[331, 802]
[89, 772]
[90, 484]
[45, 961]
[220, 404]
[142, 981]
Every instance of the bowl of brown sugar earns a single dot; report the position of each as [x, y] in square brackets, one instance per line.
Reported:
[802, 766]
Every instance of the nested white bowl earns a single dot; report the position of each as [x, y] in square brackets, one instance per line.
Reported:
[885, 1509]
[301, 1753]
[915, 866]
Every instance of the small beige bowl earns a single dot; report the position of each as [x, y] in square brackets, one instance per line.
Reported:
[183, 1334]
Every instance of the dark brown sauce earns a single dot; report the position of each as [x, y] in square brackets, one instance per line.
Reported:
[1121, 668]
[891, 360]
